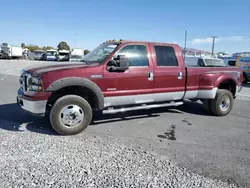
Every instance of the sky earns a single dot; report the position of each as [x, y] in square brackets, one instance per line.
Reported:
[86, 24]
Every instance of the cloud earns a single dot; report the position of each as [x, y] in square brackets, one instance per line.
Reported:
[200, 41]
[219, 39]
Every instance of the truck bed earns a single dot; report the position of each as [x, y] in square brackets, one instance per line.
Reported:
[203, 82]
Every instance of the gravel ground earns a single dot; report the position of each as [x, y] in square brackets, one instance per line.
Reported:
[51, 161]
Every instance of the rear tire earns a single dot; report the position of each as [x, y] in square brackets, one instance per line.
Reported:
[245, 78]
[70, 115]
[222, 104]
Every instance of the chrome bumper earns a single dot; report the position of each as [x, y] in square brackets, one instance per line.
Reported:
[33, 107]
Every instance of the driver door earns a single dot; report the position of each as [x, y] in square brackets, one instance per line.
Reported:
[135, 85]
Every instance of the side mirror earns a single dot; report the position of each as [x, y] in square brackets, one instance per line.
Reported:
[121, 63]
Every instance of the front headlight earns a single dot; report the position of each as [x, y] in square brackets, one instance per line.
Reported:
[34, 84]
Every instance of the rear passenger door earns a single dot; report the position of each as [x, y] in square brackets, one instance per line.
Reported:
[169, 75]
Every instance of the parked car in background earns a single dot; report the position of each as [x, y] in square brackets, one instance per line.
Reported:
[38, 55]
[119, 76]
[229, 60]
[63, 55]
[50, 55]
[75, 57]
[244, 63]
[11, 52]
[203, 61]
[77, 51]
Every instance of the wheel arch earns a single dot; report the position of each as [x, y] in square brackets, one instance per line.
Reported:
[79, 86]
[228, 84]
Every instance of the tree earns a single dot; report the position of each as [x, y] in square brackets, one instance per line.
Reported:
[47, 48]
[63, 46]
[33, 48]
[86, 52]
[23, 45]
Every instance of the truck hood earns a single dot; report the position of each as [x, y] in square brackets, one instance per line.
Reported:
[39, 69]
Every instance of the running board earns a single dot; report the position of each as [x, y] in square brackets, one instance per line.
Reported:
[143, 107]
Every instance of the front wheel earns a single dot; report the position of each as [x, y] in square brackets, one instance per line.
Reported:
[222, 104]
[71, 114]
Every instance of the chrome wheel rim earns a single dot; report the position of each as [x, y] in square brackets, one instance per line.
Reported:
[71, 115]
[225, 103]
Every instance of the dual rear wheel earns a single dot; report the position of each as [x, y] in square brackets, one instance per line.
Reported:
[221, 105]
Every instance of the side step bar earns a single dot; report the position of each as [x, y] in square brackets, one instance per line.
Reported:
[143, 107]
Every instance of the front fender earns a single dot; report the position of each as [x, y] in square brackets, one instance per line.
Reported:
[77, 81]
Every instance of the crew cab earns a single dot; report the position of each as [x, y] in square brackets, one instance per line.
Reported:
[120, 76]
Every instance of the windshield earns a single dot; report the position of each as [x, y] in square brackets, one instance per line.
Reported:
[51, 53]
[100, 53]
[76, 57]
[215, 62]
[63, 53]
[37, 53]
[5, 48]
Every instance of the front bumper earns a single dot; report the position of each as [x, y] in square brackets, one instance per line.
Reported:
[34, 107]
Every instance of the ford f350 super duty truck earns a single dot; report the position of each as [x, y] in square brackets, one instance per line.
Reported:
[120, 76]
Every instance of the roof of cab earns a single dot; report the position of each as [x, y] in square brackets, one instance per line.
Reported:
[138, 42]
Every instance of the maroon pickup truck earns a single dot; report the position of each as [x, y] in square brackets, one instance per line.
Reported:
[120, 76]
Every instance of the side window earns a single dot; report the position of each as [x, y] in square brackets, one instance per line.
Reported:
[137, 55]
[231, 63]
[201, 63]
[165, 56]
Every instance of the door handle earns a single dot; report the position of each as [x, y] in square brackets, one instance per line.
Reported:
[179, 75]
[150, 76]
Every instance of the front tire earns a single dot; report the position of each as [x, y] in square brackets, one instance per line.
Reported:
[222, 104]
[70, 115]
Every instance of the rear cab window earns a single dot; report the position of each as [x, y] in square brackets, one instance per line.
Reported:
[165, 56]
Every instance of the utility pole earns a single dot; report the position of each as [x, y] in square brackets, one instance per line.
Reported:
[75, 40]
[185, 45]
[214, 37]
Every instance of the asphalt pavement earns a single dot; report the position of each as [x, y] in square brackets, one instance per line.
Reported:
[181, 146]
